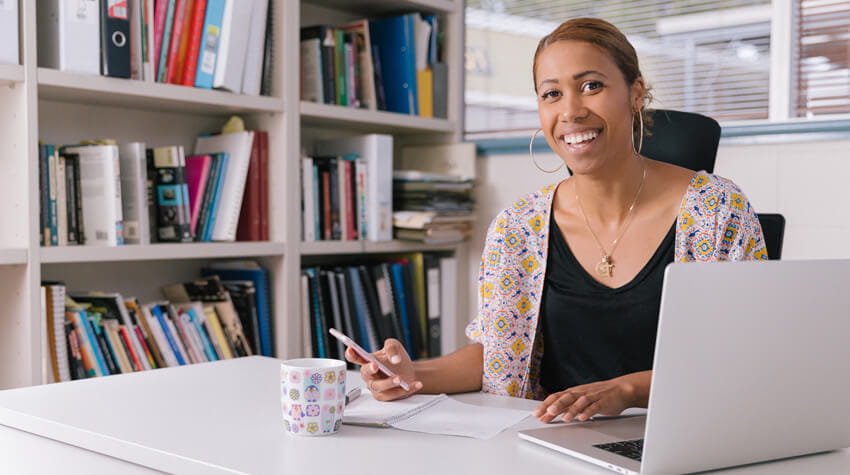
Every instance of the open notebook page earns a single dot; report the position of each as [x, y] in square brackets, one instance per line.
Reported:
[433, 415]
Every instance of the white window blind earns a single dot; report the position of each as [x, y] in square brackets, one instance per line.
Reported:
[823, 69]
[711, 57]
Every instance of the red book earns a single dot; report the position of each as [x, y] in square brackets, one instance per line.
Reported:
[125, 337]
[193, 48]
[327, 226]
[174, 46]
[160, 10]
[145, 348]
[197, 173]
[348, 201]
[249, 216]
[264, 186]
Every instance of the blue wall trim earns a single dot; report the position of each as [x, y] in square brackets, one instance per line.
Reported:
[519, 145]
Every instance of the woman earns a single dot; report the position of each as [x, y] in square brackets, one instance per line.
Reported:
[570, 278]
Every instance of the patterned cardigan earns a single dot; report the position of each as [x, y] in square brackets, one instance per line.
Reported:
[716, 223]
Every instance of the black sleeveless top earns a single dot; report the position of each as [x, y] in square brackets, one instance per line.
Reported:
[592, 332]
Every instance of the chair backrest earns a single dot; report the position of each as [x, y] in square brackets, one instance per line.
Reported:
[683, 138]
[773, 228]
[690, 140]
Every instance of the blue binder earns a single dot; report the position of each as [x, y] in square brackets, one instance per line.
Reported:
[211, 38]
[394, 39]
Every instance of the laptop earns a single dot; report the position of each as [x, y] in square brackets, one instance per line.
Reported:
[751, 364]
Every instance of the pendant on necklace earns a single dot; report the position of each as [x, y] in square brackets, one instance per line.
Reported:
[605, 268]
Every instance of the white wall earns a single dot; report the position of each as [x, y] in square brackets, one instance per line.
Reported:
[809, 183]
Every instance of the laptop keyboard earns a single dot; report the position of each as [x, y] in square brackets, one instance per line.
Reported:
[627, 448]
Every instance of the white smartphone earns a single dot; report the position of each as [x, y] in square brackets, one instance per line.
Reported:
[366, 355]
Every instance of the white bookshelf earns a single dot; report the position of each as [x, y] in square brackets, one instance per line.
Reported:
[63, 86]
[160, 251]
[10, 74]
[317, 115]
[13, 256]
[62, 108]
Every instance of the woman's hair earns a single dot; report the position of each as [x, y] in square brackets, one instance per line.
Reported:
[611, 40]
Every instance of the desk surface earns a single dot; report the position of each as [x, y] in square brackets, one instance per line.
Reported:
[225, 417]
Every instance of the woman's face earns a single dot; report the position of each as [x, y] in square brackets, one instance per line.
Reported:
[585, 105]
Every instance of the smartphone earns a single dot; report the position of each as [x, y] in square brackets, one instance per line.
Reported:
[366, 355]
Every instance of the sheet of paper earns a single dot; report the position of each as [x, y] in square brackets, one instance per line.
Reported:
[367, 410]
[451, 417]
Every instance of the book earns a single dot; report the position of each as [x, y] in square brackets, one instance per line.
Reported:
[210, 290]
[308, 201]
[253, 69]
[251, 271]
[61, 202]
[89, 348]
[395, 40]
[317, 342]
[57, 340]
[366, 69]
[244, 298]
[434, 304]
[197, 317]
[68, 35]
[197, 174]
[179, 39]
[115, 39]
[169, 358]
[233, 46]
[320, 42]
[217, 336]
[165, 20]
[100, 186]
[238, 146]
[210, 42]
[376, 151]
[172, 194]
[134, 199]
[253, 202]
[368, 337]
[141, 321]
[112, 306]
[159, 312]
[72, 191]
[210, 200]
[336, 311]
[193, 46]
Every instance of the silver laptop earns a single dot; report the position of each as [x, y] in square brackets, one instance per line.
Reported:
[751, 364]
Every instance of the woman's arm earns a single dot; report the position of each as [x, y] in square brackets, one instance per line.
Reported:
[460, 371]
[456, 372]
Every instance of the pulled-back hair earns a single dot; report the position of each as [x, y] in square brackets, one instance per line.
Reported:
[610, 39]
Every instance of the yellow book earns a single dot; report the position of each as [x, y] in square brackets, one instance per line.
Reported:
[222, 347]
[111, 328]
[425, 89]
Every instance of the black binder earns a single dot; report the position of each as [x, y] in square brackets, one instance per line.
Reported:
[114, 38]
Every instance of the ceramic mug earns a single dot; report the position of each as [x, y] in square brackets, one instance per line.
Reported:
[312, 393]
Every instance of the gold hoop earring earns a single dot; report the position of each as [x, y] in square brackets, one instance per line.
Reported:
[531, 152]
[640, 141]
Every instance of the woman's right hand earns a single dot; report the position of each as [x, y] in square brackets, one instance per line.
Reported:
[394, 357]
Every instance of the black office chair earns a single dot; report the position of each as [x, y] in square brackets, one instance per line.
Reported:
[690, 140]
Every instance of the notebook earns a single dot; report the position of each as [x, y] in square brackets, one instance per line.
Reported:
[432, 414]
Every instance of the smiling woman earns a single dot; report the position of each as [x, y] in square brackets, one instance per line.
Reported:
[571, 275]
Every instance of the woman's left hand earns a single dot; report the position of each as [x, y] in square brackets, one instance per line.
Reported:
[608, 398]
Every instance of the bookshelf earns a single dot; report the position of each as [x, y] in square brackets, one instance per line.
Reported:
[39, 103]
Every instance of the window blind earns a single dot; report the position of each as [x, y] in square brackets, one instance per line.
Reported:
[710, 57]
[823, 52]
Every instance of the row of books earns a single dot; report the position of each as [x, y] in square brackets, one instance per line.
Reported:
[433, 208]
[99, 334]
[346, 189]
[223, 44]
[394, 64]
[409, 297]
[105, 194]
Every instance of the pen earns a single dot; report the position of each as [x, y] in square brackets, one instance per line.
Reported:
[352, 395]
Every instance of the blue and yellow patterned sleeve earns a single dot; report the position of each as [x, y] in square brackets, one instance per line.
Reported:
[490, 258]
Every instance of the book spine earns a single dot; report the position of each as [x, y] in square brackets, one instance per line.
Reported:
[206, 343]
[341, 196]
[194, 48]
[185, 38]
[248, 228]
[362, 209]
[206, 202]
[44, 197]
[339, 68]
[143, 343]
[75, 357]
[174, 223]
[61, 201]
[219, 340]
[350, 199]
[71, 196]
[307, 200]
[327, 226]
[104, 346]
[168, 356]
[166, 330]
[174, 43]
[211, 39]
[186, 337]
[53, 221]
[165, 45]
[131, 351]
[95, 362]
[159, 14]
[78, 200]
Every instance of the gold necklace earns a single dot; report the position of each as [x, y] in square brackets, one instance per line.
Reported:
[605, 268]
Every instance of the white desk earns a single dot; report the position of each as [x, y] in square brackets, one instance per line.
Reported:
[225, 417]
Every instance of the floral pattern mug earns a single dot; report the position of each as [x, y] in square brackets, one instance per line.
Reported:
[312, 395]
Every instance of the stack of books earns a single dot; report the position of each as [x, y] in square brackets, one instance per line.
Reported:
[346, 191]
[401, 297]
[101, 193]
[222, 316]
[222, 44]
[394, 64]
[432, 208]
